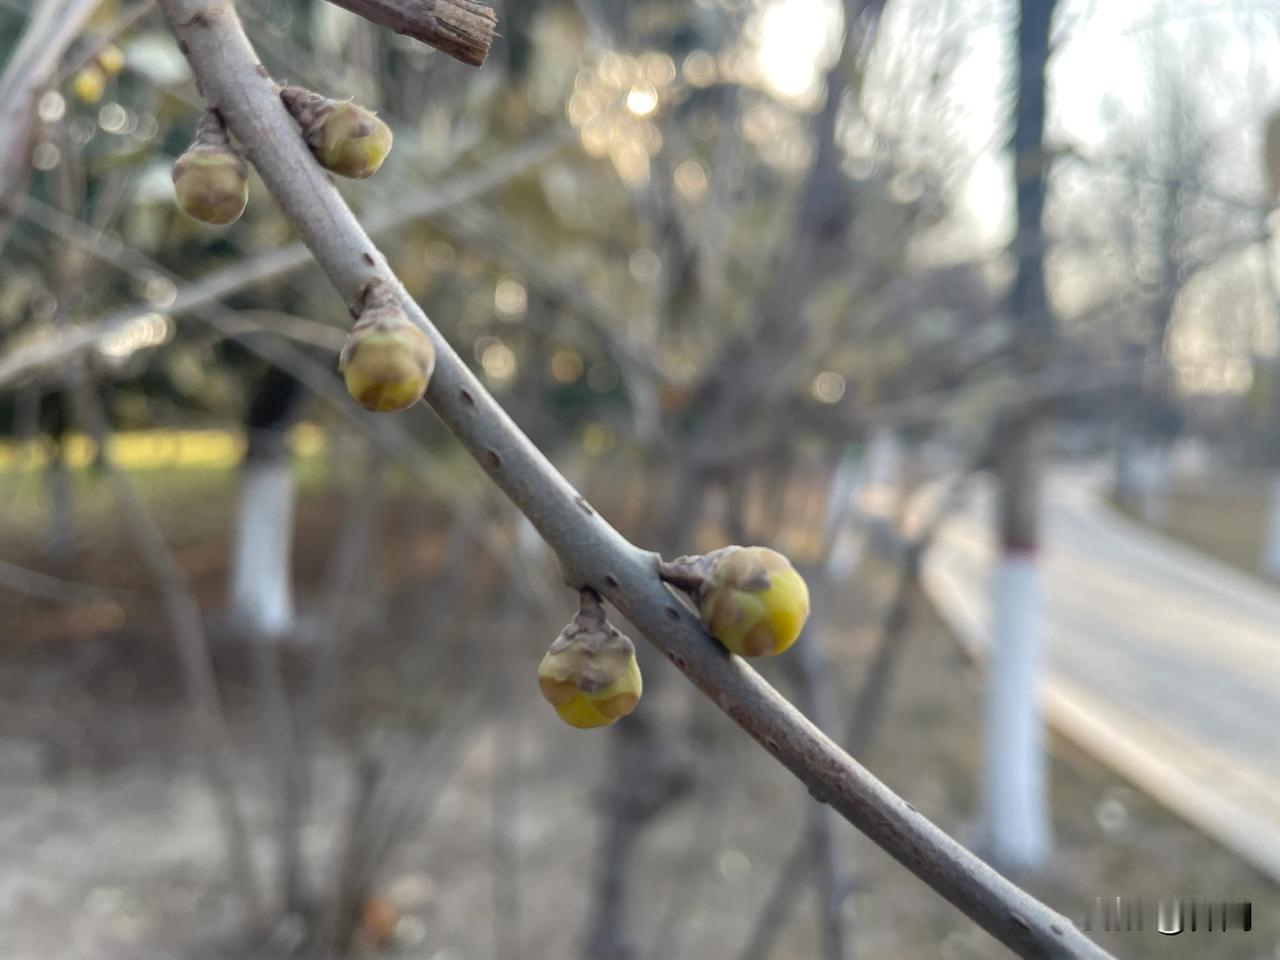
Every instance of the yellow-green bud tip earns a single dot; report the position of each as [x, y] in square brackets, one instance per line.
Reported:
[595, 708]
[590, 674]
[353, 141]
[89, 83]
[387, 360]
[211, 185]
[385, 372]
[753, 601]
[110, 59]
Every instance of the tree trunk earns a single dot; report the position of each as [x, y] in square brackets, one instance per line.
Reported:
[1271, 540]
[1016, 818]
[62, 532]
[261, 590]
[1155, 484]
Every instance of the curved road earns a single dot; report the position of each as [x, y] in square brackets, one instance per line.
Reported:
[1162, 663]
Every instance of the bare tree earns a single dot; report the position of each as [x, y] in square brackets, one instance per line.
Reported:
[591, 554]
[261, 588]
[1016, 818]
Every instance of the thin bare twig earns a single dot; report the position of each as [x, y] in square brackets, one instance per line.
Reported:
[218, 285]
[31, 69]
[463, 29]
[184, 616]
[864, 720]
[100, 41]
[389, 434]
[37, 584]
[591, 553]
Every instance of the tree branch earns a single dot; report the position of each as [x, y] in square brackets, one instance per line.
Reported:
[463, 29]
[218, 285]
[591, 552]
[29, 72]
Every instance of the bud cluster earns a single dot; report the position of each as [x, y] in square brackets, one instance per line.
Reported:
[90, 81]
[589, 673]
[344, 137]
[387, 360]
[751, 599]
[211, 179]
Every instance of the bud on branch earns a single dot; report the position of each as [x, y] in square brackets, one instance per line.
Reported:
[346, 138]
[751, 599]
[210, 179]
[590, 674]
[590, 550]
[387, 360]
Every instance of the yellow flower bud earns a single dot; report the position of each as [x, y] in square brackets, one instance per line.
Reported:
[590, 674]
[751, 599]
[387, 360]
[89, 84]
[346, 138]
[111, 59]
[210, 179]
[212, 187]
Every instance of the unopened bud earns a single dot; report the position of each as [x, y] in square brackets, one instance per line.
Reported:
[751, 599]
[589, 674]
[346, 138]
[210, 179]
[110, 59]
[89, 83]
[387, 360]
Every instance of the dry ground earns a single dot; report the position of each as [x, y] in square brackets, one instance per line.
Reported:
[110, 848]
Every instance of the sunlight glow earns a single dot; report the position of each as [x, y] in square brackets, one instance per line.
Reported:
[797, 41]
[642, 99]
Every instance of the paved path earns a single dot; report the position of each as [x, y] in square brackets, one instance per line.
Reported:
[1160, 662]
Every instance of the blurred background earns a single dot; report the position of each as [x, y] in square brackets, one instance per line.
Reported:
[971, 307]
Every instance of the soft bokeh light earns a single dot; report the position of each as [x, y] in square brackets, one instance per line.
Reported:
[146, 330]
[499, 363]
[691, 180]
[645, 265]
[642, 99]
[510, 298]
[566, 365]
[828, 387]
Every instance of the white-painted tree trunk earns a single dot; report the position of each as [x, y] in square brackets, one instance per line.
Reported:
[1271, 538]
[843, 522]
[1155, 485]
[1128, 485]
[261, 581]
[883, 469]
[1018, 832]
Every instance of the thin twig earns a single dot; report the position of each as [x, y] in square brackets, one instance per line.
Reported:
[773, 916]
[590, 551]
[864, 721]
[184, 616]
[463, 29]
[30, 71]
[37, 584]
[100, 41]
[388, 433]
[221, 284]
